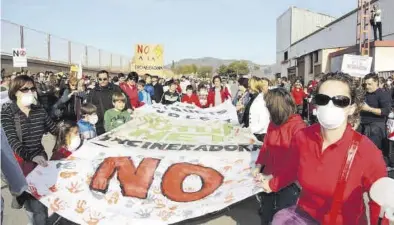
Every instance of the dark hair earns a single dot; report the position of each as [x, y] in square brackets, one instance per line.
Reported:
[88, 109]
[216, 77]
[189, 87]
[280, 105]
[17, 84]
[147, 75]
[120, 75]
[284, 79]
[243, 82]
[142, 83]
[101, 72]
[115, 79]
[64, 128]
[133, 76]
[372, 76]
[356, 95]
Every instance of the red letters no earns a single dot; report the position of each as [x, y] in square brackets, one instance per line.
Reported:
[172, 180]
[134, 182]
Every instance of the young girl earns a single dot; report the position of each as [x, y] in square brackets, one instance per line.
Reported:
[68, 140]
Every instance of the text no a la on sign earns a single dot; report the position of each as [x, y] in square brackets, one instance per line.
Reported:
[19, 57]
[149, 58]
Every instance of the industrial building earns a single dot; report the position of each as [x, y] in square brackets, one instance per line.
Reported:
[311, 43]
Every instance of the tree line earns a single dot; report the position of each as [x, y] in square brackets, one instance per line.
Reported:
[233, 69]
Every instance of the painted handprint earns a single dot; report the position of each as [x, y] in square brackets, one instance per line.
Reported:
[33, 191]
[66, 165]
[229, 198]
[143, 214]
[227, 168]
[112, 198]
[53, 188]
[74, 188]
[56, 205]
[94, 218]
[239, 161]
[159, 204]
[165, 215]
[66, 174]
[81, 207]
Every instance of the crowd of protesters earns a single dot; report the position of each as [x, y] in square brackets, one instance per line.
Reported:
[306, 133]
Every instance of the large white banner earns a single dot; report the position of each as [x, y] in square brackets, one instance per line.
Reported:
[155, 169]
[224, 112]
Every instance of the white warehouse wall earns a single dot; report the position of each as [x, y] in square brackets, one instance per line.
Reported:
[283, 35]
[340, 34]
[305, 22]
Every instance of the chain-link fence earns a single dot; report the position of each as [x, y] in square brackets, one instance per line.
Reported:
[46, 47]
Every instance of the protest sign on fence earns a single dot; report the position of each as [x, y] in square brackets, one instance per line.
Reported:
[149, 59]
[167, 170]
[19, 57]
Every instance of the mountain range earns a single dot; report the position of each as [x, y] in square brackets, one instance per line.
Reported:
[215, 63]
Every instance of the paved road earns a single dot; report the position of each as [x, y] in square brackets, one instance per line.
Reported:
[244, 213]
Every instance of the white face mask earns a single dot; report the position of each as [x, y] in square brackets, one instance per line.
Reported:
[389, 83]
[93, 119]
[330, 117]
[27, 99]
[75, 143]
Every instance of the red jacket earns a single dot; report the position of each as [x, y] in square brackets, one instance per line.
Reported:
[298, 95]
[132, 93]
[318, 173]
[193, 99]
[224, 93]
[277, 142]
[62, 153]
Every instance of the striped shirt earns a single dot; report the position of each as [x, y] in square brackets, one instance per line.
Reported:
[33, 128]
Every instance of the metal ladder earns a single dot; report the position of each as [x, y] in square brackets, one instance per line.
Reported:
[364, 26]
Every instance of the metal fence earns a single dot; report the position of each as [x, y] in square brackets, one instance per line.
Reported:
[46, 47]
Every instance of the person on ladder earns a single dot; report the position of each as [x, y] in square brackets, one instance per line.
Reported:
[376, 22]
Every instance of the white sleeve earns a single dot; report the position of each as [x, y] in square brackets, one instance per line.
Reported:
[260, 116]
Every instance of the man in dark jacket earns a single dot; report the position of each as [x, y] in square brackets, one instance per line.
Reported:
[158, 89]
[101, 97]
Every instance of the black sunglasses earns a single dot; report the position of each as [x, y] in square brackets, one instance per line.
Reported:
[25, 90]
[103, 79]
[339, 100]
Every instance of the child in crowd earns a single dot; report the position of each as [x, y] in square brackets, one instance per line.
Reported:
[171, 96]
[143, 96]
[190, 97]
[203, 97]
[88, 120]
[68, 140]
[117, 116]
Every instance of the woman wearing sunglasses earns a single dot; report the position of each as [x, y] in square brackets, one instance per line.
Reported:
[333, 163]
[25, 123]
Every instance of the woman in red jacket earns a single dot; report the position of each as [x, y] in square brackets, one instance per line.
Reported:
[334, 164]
[218, 94]
[190, 97]
[298, 95]
[285, 122]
